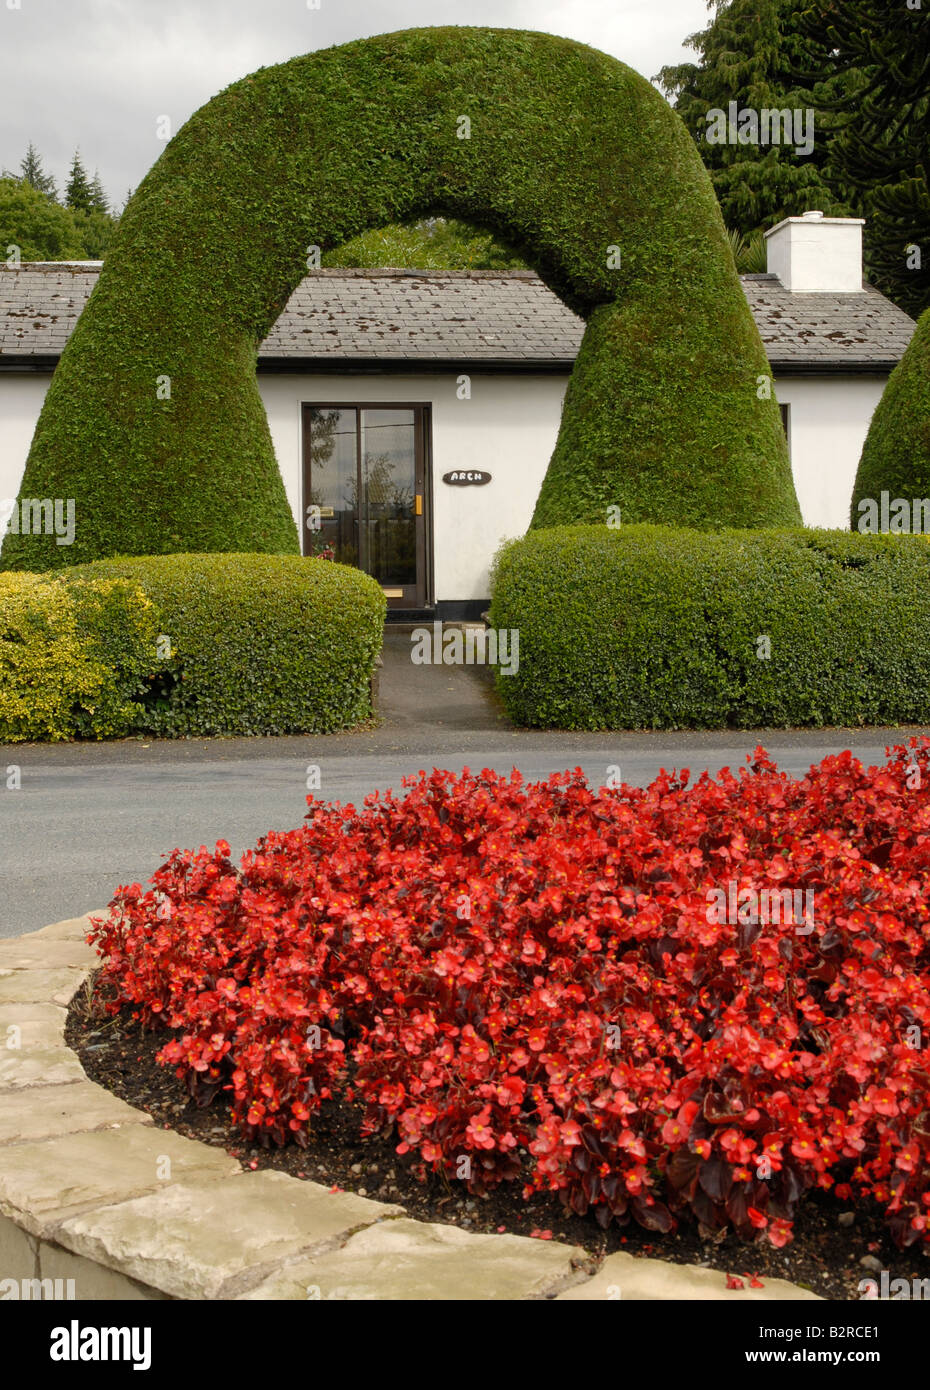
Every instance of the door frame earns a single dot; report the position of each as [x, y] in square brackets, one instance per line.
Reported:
[423, 476]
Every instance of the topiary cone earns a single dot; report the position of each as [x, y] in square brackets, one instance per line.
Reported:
[896, 454]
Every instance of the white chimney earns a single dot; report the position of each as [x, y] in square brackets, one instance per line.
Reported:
[814, 254]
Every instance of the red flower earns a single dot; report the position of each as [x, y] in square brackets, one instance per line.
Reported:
[780, 1232]
[479, 1133]
[882, 1100]
[586, 1031]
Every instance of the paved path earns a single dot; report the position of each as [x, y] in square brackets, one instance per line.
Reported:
[92, 816]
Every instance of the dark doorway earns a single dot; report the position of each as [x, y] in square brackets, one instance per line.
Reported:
[365, 495]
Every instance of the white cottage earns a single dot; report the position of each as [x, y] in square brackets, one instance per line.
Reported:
[413, 413]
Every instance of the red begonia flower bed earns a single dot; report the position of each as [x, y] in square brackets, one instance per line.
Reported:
[538, 984]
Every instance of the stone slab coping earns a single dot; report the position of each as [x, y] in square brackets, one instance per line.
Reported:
[98, 1203]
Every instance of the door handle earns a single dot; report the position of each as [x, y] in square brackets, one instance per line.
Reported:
[419, 504]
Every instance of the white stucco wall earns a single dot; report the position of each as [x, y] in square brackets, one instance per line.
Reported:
[21, 397]
[829, 419]
[508, 428]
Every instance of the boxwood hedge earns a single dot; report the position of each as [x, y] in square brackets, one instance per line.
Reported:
[252, 644]
[654, 627]
[153, 422]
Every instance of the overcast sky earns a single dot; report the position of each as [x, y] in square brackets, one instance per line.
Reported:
[96, 74]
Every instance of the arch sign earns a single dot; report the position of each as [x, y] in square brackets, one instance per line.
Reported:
[153, 422]
[466, 477]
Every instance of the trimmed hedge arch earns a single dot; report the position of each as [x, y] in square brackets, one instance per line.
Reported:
[570, 153]
[896, 454]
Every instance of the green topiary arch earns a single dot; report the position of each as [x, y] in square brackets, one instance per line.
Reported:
[570, 153]
[896, 454]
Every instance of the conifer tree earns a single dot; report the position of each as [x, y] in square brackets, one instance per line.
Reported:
[33, 173]
[78, 194]
[754, 53]
[98, 198]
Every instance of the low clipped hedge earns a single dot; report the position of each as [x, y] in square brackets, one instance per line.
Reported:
[253, 644]
[73, 657]
[653, 627]
[181, 645]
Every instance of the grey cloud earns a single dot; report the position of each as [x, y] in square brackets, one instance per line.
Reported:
[98, 73]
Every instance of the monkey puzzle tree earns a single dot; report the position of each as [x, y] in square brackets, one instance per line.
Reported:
[882, 145]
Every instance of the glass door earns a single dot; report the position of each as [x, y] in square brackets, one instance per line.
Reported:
[364, 493]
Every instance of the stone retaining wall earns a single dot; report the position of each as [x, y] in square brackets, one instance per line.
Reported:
[92, 1192]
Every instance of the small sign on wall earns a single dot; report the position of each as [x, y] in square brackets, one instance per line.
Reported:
[466, 477]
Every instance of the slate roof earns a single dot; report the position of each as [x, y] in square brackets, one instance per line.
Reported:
[842, 331]
[504, 318]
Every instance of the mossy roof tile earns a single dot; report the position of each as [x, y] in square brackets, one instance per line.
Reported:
[500, 316]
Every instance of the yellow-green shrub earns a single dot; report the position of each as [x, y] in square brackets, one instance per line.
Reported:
[71, 656]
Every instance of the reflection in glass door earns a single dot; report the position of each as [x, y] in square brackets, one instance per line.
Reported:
[364, 471]
[330, 439]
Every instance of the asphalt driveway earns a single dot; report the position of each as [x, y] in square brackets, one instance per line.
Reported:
[89, 817]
